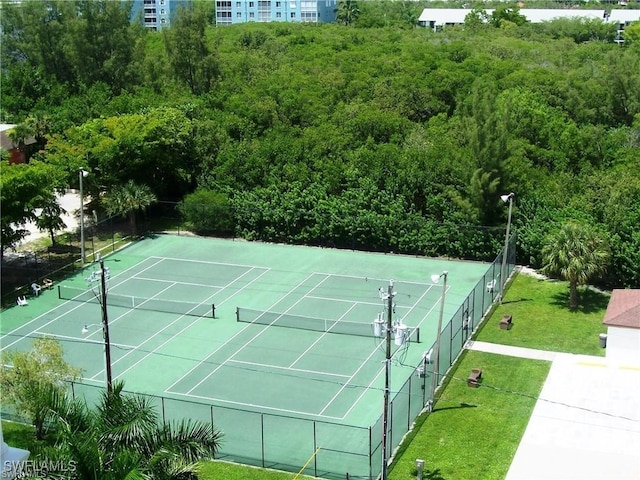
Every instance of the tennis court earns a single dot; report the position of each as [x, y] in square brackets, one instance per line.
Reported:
[276, 345]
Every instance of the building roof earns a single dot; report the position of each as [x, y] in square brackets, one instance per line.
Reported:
[444, 16]
[623, 309]
[622, 16]
[537, 15]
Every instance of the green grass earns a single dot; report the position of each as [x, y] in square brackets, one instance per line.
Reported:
[542, 319]
[231, 471]
[473, 433]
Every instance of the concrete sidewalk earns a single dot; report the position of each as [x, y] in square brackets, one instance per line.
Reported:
[511, 351]
[586, 422]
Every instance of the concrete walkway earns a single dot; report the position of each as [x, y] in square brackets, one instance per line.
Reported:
[586, 422]
[511, 351]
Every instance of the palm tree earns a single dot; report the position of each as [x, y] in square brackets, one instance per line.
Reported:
[127, 200]
[576, 253]
[122, 437]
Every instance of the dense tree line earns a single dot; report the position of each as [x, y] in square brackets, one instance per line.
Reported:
[370, 134]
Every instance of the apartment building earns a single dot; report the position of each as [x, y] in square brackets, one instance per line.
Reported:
[229, 12]
[155, 14]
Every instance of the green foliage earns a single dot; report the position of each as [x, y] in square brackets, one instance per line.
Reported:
[207, 211]
[438, 123]
[31, 379]
[124, 438]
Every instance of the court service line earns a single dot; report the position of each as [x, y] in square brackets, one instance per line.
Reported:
[253, 405]
[184, 329]
[84, 340]
[322, 336]
[12, 332]
[147, 279]
[255, 336]
[331, 299]
[367, 279]
[276, 367]
[250, 267]
[205, 359]
[348, 382]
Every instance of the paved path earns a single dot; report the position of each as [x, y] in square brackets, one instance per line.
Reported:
[511, 351]
[586, 422]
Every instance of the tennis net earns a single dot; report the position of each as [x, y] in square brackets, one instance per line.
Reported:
[66, 292]
[260, 317]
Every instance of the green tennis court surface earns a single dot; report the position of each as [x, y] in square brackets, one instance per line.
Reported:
[289, 366]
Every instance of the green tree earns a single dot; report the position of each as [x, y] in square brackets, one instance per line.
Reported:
[347, 12]
[29, 379]
[50, 219]
[123, 437]
[576, 253]
[207, 211]
[127, 200]
[188, 51]
[22, 188]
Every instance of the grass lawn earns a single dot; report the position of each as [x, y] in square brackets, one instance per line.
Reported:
[542, 319]
[473, 433]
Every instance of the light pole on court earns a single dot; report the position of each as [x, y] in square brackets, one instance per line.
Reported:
[82, 174]
[503, 270]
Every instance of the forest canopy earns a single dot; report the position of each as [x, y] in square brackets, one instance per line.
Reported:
[374, 135]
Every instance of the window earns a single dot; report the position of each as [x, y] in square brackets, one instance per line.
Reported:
[293, 14]
[292, 4]
[238, 4]
[162, 11]
[238, 14]
[278, 14]
[251, 14]
[278, 4]
[251, 4]
[161, 2]
[163, 20]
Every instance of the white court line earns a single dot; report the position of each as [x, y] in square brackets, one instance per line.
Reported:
[188, 326]
[85, 340]
[183, 260]
[322, 336]
[275, 367]
[257, 335]
[127, 313]
[12, 332]
[253, 405]
[331, 299]
[147, 279]
[205, 359]
[346, 384]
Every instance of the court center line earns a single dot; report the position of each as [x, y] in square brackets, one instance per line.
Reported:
[246, 344]
[348, 382]
[206, 359]
[178, 333]
[322, 336]
[12, 332]
[302, 370]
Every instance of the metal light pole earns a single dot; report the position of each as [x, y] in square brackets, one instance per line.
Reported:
[436, 361]
[387, 381]
[503, 269]
[105, 327]
[81, 174]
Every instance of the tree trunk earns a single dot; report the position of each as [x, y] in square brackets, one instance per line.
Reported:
[573, 295]
[132, 221]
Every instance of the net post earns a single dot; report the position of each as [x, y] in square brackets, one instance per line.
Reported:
[59, 293]
[213, 310]
[237, 314]
[418, 334]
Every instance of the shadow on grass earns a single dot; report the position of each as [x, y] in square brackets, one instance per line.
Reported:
[589, 301]
[462, 405]
[430, 474]
[519, 300]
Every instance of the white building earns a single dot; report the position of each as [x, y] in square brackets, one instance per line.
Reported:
[622, 319]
